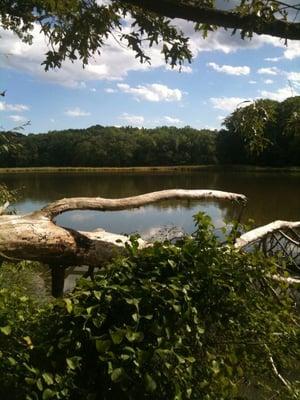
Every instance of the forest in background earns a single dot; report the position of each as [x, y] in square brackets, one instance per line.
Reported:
[265, 132]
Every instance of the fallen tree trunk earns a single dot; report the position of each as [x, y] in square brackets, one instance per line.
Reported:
[36, 237]
[260, 235]
[261, 232]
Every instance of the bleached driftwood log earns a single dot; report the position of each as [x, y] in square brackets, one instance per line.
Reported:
[261, 235]
[36, 236]
[261, 232]
[4, 207]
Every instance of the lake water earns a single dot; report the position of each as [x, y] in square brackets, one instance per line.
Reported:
[271, 196]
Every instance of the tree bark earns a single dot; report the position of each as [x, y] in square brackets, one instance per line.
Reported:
[36, 237]
[193, 11]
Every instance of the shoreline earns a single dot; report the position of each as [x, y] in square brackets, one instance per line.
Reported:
[148, 169]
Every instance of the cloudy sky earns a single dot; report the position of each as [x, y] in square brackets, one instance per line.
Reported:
[114, 89]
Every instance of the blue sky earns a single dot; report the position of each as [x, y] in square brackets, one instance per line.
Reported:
[116, 90]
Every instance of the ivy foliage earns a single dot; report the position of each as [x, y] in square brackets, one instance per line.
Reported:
[187, 321]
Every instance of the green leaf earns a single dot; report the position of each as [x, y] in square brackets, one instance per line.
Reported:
[135, 317]
[102, 345]
[69, 305]
[39, 384]
[215, 367]
[134, 336]
[73, 362]
[48, 378]
[117, 335]
[150, 384]
[117, 375]
[28, 341]
[178, 394]
[12, 361]
[97, 294]
[6, 330]
[134, 302]
[48, 394]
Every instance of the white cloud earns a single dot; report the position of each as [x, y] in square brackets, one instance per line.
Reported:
[280, 94]
[152, 92]
[292, 50]
[17, 118]
[172, 120]
[294, 78]
[268, 81]
[229, 69]
[183, 69]
[268, 71]
[13, 107]
[52, 120]
[208, 127]
[135, 120]
[273, 59]
[110, 90]
[93, 90]
[228, 103]
[103, 2]
[116, 61]
[252, 82]
[77, 112]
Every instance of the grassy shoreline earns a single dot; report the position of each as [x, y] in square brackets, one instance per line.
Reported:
[152, 169]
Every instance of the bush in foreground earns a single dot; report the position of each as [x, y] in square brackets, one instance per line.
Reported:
[191, 321]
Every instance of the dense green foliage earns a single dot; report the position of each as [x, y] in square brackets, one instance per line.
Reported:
[110, 146]
[191, 321]
[265, 132]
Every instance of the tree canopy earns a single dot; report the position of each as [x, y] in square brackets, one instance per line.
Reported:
[265, 132]
[77, 29]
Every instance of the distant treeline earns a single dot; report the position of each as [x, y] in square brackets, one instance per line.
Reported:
[263, 133]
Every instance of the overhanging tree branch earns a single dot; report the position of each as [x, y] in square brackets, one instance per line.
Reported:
[221, 18]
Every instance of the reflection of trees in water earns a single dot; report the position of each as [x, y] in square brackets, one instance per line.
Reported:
[271, 195]
[54, 186]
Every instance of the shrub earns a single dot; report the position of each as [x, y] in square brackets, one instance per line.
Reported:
[188, 321]
[22, 296]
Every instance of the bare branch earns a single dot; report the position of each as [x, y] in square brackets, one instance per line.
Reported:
[276, 372]
[102, 204]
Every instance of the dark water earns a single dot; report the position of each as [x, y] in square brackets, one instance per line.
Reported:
[272, 195]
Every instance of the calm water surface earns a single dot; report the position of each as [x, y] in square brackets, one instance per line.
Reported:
[272, 195]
